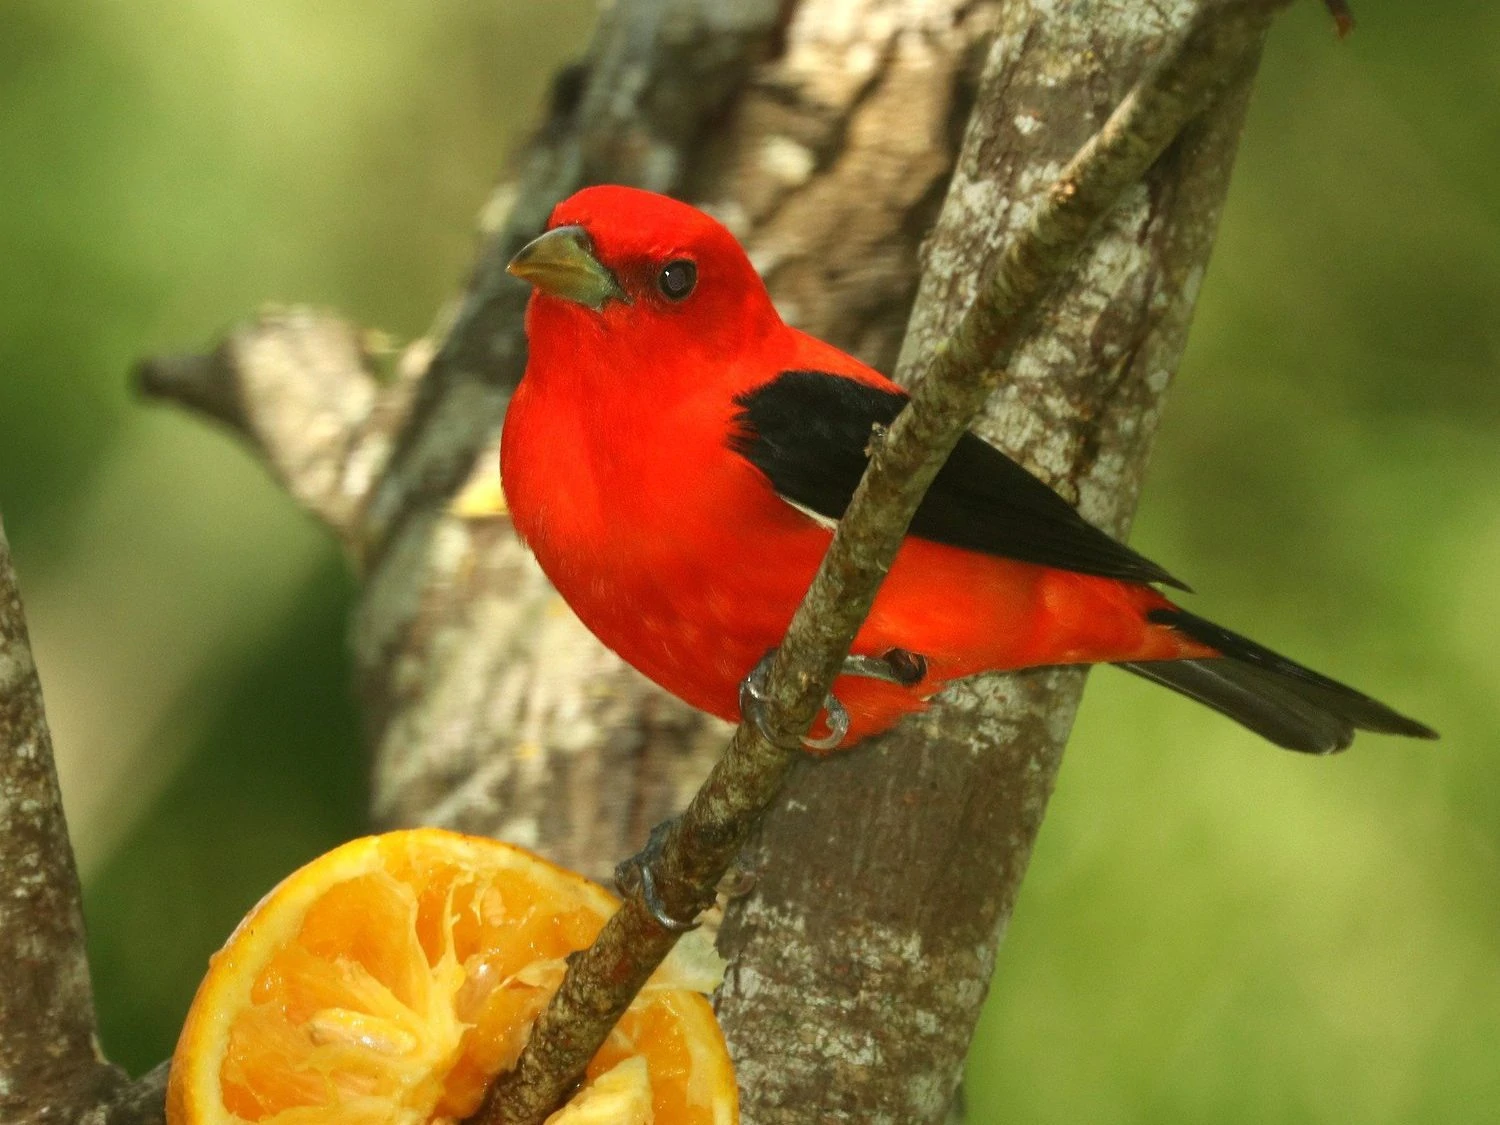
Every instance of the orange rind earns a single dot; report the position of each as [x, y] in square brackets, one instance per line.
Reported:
[388, 981]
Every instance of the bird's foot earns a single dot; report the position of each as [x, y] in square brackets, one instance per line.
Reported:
[753, 707]
[636, 878]
[897, 666]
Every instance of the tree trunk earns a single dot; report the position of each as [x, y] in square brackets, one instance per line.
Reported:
[886, 876]
[47, 1055]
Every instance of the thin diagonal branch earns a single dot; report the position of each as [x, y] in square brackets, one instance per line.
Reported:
[1221, 41]
[47, 1024]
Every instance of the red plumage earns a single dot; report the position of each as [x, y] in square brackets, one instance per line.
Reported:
[621, 474]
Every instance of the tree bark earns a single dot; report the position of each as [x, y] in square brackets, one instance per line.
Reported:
[47, 1058]
[859, 962]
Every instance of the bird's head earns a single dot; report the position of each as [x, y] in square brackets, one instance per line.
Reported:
[637, 272]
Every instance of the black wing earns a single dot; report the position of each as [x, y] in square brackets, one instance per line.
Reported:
[807, 431]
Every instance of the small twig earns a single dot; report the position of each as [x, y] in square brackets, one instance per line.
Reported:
[47, 1027]
[1343, 16]
[195, 382]
[697, 848]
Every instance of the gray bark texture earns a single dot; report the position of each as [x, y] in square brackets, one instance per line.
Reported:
[824, 132]
[48, 1063]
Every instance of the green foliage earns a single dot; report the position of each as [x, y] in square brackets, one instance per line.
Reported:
[1212, 930]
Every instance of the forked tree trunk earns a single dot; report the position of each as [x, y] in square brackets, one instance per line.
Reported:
[824, 132]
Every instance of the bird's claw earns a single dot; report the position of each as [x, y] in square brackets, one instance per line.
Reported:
[898, 666]
[658, 909]
[838, 726]
[753, 707]
[636, 877]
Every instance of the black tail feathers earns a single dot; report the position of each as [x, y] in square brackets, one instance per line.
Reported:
[1277, 698]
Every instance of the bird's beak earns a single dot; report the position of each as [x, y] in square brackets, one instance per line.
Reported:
[561, 263]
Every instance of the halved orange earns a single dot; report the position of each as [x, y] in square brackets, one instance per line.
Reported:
[388, 980]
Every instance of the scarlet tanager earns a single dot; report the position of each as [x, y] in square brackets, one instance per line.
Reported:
[676, 457]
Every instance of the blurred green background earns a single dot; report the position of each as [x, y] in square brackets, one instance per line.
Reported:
[1212, 930]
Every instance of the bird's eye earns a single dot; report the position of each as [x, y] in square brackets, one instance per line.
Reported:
[677, 279]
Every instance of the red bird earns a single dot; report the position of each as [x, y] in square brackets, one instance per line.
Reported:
[676, 456]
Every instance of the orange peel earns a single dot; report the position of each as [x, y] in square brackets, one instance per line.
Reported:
[388, 981]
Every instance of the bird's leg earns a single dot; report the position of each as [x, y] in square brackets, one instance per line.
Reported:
[897, 666]
[635, 877]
